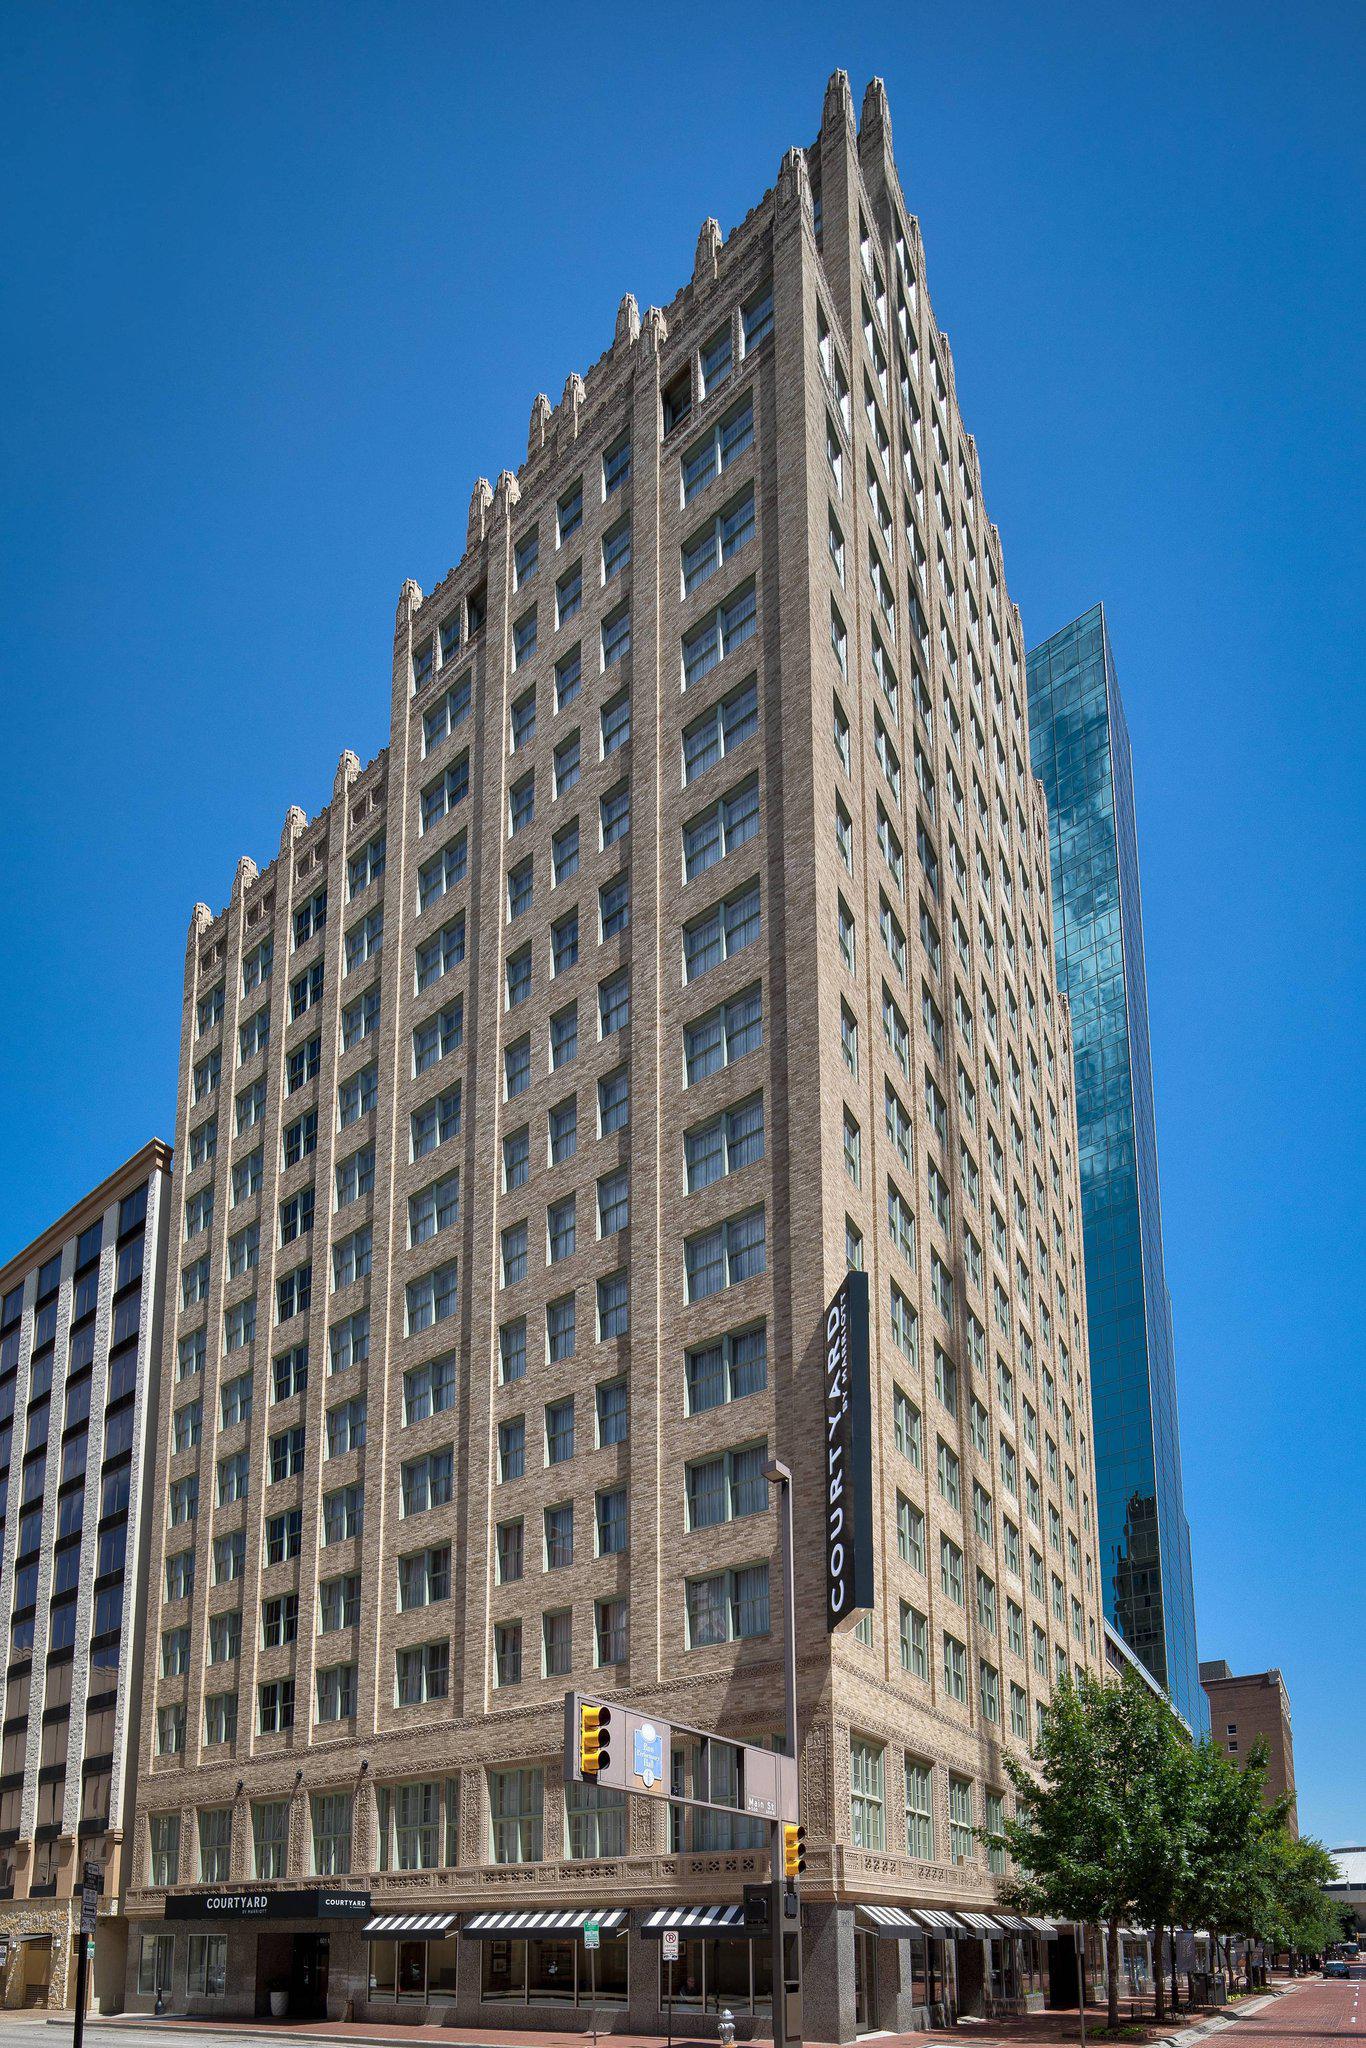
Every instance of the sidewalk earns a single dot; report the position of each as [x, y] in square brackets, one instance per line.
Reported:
[1031, 2030]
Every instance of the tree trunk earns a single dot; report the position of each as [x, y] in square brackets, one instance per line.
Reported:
[1159, 1982]
[1112, 1973]
[1175, 1981]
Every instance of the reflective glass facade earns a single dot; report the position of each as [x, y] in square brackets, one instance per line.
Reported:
[1080, 747]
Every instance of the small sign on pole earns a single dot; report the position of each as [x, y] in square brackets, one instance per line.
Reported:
[669, 1944]
[92, 1884]
[592, 1933]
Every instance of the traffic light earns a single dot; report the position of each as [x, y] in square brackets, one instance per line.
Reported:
[594, 1729]
[794, 1850]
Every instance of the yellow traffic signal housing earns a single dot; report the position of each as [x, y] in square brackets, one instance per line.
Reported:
[794, 1850]
[594, 1728]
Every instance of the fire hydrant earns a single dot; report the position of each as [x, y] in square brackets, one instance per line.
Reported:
[727, 2029]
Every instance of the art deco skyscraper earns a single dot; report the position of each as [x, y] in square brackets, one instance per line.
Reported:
[689, 944]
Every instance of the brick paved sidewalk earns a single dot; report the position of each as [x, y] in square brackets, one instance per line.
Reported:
[1032, 2030]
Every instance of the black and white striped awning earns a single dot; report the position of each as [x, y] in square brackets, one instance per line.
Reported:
[892, 1921]
[409, 1926]
[977, 1923]
[521, 1926]
[698, 1922]
[1012, 1923]
[938, 1921]
[1037, 1925]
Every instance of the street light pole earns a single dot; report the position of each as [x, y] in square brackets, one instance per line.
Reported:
[780, 1476]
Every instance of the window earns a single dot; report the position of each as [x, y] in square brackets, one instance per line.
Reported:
[725, 1256]
[866, 1794]
[515, 1813]
[725, 1487]
[442, 873]
[616, 726]
[421, 1673]
[616, 466]
[561, 1328]
[614, 1307]
[962, 1837]
[906, 1427]
[569, 512]
[343, 1513]
[955, 1669]
[163, 1835]
[616, 550]
[756, 320]
[721, 931]
[441, 953]
[728, 1606]
[613, 1413]
[438, 1036]
[436, 1122]
[433, 1209]
[616, 645]
[310, 917]
[614, 907]
[613, 1102]
[431, 1298]
[610, 1632]
[732, 623]
[919, 1811]
[948, 1473]
[440, 797]
[708, 458]
[725, 1144]
[915, 1655]
[719, 541]
[910, 1533]
[614, 1203]
[561, 1229]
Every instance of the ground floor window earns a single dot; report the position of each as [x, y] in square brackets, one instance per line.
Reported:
[208, 1974]
[422, 1970]
[155, 1963]
[553, 1972]
[712, 1975]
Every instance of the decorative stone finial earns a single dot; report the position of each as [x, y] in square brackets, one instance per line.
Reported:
[794, 178]
[655, 329]
[409, 599]
[507, 492]
[628, 322]
[245, 876]
[348, 768]
[877, 115]
[540, 425]
[838, 110]
[704, 263]
[295, 821]
[481, 498]
[201, 917]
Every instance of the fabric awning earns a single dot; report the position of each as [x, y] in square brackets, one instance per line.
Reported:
[938, 1921]
[1012, 1923]
[893, 1921]
[409, 1926]
[695, 1922]
[978, 1923]
[1036, 1925]
[501, 1926]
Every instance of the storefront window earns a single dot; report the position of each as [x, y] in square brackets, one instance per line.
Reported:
[155, 1964]
[441, 1967]
[553, 1972]
[716, 1975]
[208, 1972]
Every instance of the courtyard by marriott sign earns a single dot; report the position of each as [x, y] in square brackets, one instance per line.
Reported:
[848, 1454]
[247, 1902]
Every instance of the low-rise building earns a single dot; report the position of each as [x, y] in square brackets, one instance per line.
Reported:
[1250, 1709]
[80, 1339]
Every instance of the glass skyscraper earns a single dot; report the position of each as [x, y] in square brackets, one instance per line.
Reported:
[1080, 747]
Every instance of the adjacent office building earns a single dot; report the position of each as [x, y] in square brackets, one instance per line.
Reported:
[80, 1347]
[1255, 1708]
[1080, 748]
[689, 944]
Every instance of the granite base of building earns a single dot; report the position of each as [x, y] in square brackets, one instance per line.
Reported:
[855, 1981]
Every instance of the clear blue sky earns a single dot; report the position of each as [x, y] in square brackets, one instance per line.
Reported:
[280, 282]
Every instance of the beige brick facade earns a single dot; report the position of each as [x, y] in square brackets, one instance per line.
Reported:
[845, 889]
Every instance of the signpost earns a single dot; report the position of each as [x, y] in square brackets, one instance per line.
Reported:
[668, 1949]
[92, 1884]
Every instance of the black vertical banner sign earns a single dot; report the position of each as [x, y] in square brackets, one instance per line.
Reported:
[848, 1454]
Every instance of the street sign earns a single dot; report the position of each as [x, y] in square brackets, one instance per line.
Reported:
[92, 1884]
[631, 1753]
[848, 1454]
[592, 1933]
[668, 1944]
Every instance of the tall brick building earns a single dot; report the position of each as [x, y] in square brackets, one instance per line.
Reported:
[1248, 1709]
[80, 1343]
[690, 942]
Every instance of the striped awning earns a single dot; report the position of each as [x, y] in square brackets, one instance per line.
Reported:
[1036, 1925]
[893, 1921]
[497, 1926]
[978, 1923]
[1012, 1923]
[409, 1926]
[699, 1921]
[938, 1921]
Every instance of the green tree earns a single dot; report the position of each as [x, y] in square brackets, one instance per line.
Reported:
[1231, 1876]
[1098, 1834]
[1307, 1921]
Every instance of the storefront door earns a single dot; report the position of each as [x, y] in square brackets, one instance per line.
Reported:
[865, 1982]
[308, 1976]
[37, 1968]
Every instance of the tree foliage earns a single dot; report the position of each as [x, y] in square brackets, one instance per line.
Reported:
[1120, 1818]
